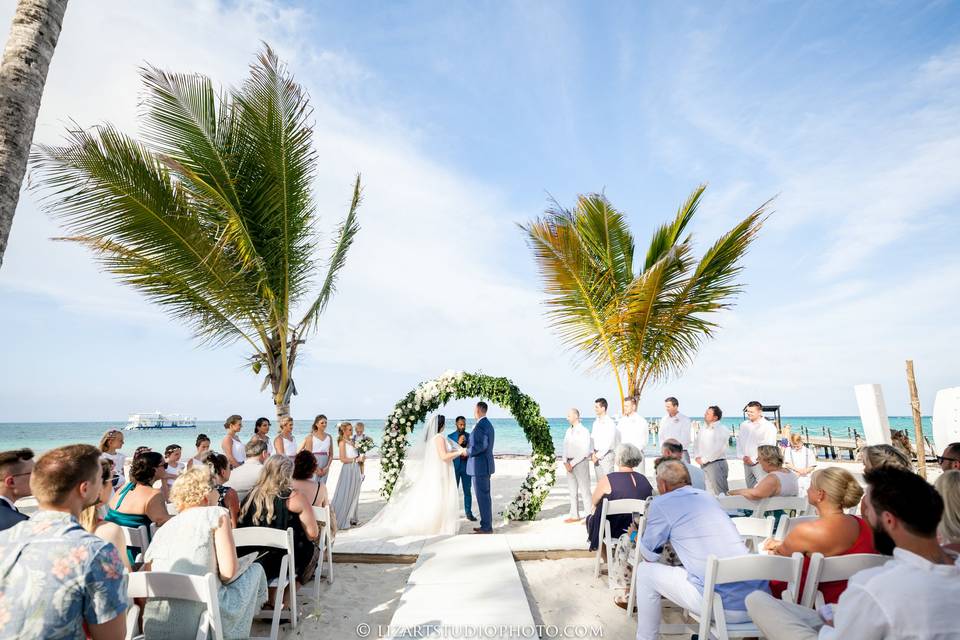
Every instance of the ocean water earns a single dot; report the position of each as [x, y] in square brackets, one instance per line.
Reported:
[510, 439]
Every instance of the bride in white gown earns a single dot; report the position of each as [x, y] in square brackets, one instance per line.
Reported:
[425, 500]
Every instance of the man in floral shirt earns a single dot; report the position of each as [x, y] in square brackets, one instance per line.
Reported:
[57, 580]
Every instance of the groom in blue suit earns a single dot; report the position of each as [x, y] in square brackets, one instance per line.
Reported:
[480, 466]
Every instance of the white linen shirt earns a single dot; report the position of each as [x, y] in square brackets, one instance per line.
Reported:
[677, 428]
[908, 597]
[604, 434]
[633, 429]
[577, 445]
[754, 434]
[712, 442]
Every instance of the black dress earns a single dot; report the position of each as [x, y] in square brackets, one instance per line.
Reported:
[623, 485]
[304, 550]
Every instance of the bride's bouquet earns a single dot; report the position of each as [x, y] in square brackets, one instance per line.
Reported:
[364, 444]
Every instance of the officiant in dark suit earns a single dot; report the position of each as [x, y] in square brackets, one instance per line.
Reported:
[461, 438]
[15, 470]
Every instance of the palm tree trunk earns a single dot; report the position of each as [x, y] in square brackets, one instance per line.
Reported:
[283, 409]
[23, 72]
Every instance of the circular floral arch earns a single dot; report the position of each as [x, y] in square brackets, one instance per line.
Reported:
[453, 385]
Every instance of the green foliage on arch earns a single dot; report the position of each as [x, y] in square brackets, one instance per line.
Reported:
[453, 385]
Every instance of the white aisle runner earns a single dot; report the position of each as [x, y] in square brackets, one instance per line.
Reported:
[464, 586]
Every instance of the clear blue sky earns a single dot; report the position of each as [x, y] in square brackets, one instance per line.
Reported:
[463, 118]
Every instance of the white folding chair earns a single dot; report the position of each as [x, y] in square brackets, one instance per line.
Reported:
[613, 508]
[787, 523]
[754, 530]
[180, 586]
[27, 506]
[832, 569]
[277, 539]
[797, 504]
[711, 617]
[322, 516]
[739, 503]
[136, 537]
[171, 509]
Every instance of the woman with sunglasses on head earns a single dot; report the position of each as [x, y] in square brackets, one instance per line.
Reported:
[92, 520]
[110, 445]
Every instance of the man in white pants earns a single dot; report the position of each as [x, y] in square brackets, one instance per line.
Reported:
[754, 431]
[577, 450]
[696, 526]
[710, 450]
[914, 595]
[675, 426]
[604, 435]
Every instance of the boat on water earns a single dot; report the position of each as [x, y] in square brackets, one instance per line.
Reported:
[157, 420]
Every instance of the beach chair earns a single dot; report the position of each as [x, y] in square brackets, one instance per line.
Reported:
[711, 618]
[277, 539]
[153, 585]
[322, 516]
[754, 530]
[787, 523]
[613, 508]
[835, 568]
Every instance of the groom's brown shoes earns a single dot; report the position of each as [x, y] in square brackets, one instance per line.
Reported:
[481, 531]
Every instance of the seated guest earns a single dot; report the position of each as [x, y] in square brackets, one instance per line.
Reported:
[622, 483]
[777, 481]
[199, 537]
[696, 526]
[92, 520]
[948, 486]
[138, 503]
[305, 483]
[914, 595]
[834, 533]
[800, 459]
[273, 503]
[57, 580]
[672, 450]
[15, 469]
[950, 458]
[226, 496]
[882, 455]
[247, 474]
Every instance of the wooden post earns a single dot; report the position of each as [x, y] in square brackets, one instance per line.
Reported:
[917, 423]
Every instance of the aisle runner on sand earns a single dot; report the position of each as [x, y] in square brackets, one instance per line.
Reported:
[478, 573]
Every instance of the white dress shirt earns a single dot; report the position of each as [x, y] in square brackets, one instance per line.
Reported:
[577, 445]
[676, 428]
[633, 429]
[754, 434]
[908, 597]
[604, 434]
[244, 477]
[712, 442]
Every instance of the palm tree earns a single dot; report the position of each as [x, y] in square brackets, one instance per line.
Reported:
[23, 72]
[642, 322]
[212, 216]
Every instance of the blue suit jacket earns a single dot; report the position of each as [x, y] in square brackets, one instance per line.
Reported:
[9, 517]
[480, 460]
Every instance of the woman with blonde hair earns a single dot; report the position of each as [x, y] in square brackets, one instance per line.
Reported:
[347, 495]
[110, 445]
[273, 502]
[834, 533]
[777, 482]
[92, 520]
[884, 455]
[195, 541]
[948, 486]
[320, 444]
[285, 444]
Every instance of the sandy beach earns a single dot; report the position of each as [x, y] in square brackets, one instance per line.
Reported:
[560, 587]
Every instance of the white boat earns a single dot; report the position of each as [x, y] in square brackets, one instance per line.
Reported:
[157, 420]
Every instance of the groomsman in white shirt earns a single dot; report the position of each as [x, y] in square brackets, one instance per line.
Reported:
[754, 431]
[675, 426]
[710, 450]
[604, 434]
[577, 451]
[632, 428]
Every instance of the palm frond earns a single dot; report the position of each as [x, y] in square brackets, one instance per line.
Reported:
[669, 234]
[345, 235]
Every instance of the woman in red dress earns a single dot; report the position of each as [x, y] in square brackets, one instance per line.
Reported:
[834, 533]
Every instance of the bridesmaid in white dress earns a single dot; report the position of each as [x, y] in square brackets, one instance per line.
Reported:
[320, 444]
[285, 444]
[198, 540]
[232, 447]
[347, 495]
